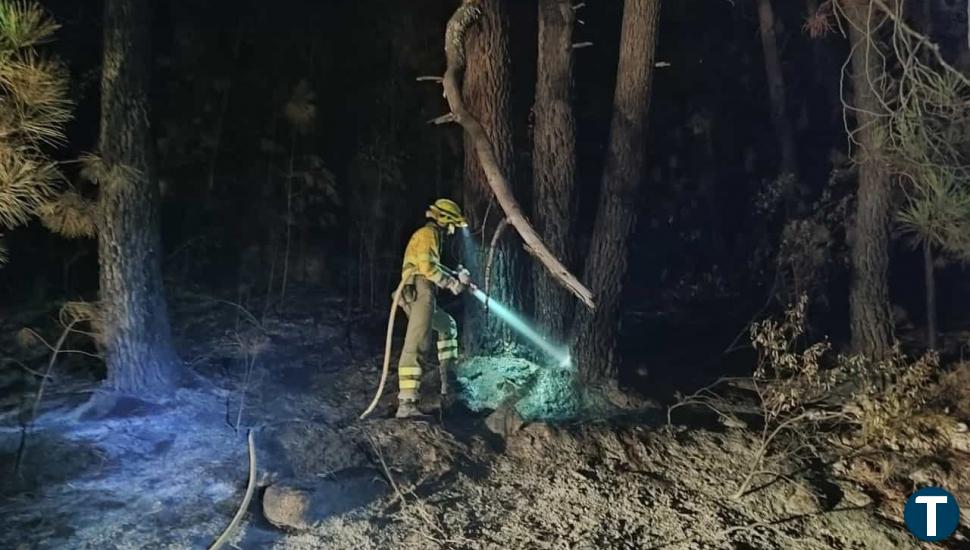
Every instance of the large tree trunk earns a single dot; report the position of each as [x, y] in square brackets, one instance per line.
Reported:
[554, 159]
[595, 332]
[486, 94]
[869, 312]
[138, 350]
[776, 90]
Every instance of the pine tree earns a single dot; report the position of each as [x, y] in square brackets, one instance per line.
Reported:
[34, 109]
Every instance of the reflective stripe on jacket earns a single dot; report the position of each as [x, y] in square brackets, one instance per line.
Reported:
[423, 255]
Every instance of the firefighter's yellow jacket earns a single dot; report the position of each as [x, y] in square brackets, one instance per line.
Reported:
[423, 256]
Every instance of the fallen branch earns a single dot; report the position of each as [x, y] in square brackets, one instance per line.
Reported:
[250, 487]
[466, 15]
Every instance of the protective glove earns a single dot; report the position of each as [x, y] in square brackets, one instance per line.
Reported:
[454, 285]
[464, 276]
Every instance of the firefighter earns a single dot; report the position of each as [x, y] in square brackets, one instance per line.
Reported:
[421, 272]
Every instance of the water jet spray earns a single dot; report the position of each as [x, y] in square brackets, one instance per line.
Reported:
[520, 325]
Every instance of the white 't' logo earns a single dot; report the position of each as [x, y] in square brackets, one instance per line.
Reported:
[930, 502]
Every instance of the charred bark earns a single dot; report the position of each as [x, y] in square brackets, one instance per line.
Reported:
[486, 91]
[595, 332]
[870, 320]
[554, 158]
[460, 23]
[138, 350]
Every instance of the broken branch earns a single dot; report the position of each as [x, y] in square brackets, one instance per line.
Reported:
[443, 119]
[464, 17]
[491, 256]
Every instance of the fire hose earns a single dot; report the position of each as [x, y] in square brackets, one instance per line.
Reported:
[460, 275]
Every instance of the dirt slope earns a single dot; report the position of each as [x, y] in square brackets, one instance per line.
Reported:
[134, 475]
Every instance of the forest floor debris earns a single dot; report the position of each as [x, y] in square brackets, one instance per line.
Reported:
[171, 476]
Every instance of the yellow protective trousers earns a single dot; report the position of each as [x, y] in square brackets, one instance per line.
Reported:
[418, 302]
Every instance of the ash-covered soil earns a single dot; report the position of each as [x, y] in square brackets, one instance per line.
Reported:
[109, 473]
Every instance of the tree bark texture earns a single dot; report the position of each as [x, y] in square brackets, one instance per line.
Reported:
[554, 158]
[138, 350]
[595, 332]
[776, 90]
[486, 91]
[870, 320]
[461, 23]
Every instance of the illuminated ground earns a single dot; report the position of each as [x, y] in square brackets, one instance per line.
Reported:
[170, 477]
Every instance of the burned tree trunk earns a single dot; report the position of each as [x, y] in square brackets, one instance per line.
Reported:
[138, 350]
[869, 312]
[595, 332]
[486, 95]
[776, 90]
[554, 158]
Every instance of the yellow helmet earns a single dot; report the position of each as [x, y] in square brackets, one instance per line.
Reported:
[446, 212]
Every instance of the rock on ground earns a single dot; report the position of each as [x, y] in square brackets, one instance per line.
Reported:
[299, 504]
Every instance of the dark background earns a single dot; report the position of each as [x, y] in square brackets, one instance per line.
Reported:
[702, 261]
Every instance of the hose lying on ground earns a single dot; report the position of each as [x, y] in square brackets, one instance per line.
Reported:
[250, 487]
[387, 350]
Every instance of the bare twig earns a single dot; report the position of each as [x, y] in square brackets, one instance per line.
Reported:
[921, 39]
[22, 365]
[250, 488]
[55, 349]
[249, 316]
[250, 364]
[705, 397]
[417, 507]
[491, 257]
[443, 119]
[25, 430]
[387, 471]
[579, 45]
